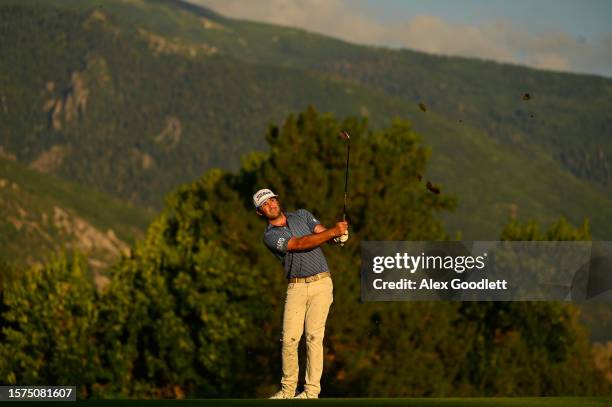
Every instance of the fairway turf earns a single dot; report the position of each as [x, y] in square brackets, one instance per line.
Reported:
[337, 402]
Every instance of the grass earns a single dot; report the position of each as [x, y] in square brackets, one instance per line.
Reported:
[409, 402]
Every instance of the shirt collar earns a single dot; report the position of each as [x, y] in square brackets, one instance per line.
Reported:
[270, 226]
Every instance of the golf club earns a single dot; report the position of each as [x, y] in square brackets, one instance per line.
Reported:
[344, 134]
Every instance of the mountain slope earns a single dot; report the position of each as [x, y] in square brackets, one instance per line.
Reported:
[134, 97]
[40, 215]
[567, 114]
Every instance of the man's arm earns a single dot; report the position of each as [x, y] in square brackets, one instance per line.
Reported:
[320, 236]
[319, 228]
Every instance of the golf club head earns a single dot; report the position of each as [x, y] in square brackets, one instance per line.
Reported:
[344, 134]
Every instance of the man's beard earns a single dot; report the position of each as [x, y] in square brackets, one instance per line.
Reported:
[278, 215]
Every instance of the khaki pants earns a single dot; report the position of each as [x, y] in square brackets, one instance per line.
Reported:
[306, 306]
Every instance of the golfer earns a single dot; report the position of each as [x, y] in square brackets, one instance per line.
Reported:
[295, 237]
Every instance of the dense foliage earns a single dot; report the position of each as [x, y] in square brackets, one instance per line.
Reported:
[195, 309]
[48, 323]
[512, 341]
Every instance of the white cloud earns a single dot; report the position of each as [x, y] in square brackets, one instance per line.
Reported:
[330, 17]
[437, 36]
[496, 40]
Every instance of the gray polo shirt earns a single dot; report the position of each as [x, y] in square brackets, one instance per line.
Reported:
[296, 263]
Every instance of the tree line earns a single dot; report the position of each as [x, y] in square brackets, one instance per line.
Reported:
[195, 309]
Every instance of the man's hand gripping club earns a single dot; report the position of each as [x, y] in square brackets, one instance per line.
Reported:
[343, 238]
[321, 235]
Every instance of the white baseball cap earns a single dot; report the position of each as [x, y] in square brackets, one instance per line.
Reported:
[262, 196]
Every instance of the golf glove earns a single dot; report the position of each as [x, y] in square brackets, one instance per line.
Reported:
[341, 240]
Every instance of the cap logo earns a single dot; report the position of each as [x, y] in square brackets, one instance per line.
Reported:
[260, 196]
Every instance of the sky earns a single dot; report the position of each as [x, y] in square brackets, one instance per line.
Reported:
[561, 35]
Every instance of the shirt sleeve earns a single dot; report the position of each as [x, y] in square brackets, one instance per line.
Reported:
[276, 239]
[311, 221]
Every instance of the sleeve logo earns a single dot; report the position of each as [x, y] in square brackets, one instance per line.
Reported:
[279, 244]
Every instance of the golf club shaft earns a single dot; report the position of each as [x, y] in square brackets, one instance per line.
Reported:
[348, 153]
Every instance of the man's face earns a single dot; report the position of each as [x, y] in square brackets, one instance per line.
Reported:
[270, 208]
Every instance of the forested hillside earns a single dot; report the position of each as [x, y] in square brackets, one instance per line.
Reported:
[133, 98]
[41, 215]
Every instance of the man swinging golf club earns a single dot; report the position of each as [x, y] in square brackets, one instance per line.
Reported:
[295, 237]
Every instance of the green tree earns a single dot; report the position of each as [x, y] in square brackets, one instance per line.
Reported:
[195, 309]
[560, 230]
[175, 316]
[305, 167]
[530, 348]
[50, 318]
